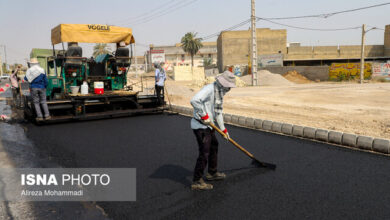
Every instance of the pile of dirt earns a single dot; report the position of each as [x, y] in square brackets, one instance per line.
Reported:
[211, 79]
[295, 77]
[266, 78]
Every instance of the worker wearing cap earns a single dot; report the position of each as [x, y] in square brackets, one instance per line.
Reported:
[160, 78]
[15, 84]
[207, 104]
[36, 76]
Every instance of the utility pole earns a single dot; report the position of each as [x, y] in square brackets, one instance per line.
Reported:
[1, 67]
[253, 44]
[362, 55]
[135, 57]
[5, 59]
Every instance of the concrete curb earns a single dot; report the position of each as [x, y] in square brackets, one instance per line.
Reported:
[365, 143]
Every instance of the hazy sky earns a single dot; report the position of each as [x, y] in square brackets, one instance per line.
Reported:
[27, 24]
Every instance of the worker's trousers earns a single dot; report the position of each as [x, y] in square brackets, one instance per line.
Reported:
[208, 152]
[160, 93]
[39, 99]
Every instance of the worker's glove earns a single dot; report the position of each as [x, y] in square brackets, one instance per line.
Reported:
[227, 137]
[206, 120]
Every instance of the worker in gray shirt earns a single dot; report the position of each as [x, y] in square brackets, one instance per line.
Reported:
[207, 105]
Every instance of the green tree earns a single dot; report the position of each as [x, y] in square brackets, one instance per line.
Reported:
[191, 44]
[207, 62]
[99, 49]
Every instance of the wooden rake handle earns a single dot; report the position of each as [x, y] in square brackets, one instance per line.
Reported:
[233, 142]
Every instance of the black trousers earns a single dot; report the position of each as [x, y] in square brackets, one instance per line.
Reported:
[159, 93]
[208, 152]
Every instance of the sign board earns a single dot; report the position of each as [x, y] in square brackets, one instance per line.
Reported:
[381, 69]
[157, 56]
[270, 60]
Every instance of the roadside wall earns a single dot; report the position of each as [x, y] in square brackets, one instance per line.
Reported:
[184, 73]
[381, 70]
[311, 72]
[333, 52]
[343, 71]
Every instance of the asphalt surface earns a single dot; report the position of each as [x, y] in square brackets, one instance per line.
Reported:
[312, 180]
[17, 151]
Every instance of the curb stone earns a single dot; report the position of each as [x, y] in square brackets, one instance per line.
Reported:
[381, 145]
[250, 122]
[287, 129]
[335, 137]
[364, 142]
[276, 127]
[235, 119]
[267, 125]
[297, 130]
[258, 123]
[349, 140]
[309, 132]
[227, 118]
[322, 135]
[241, 120]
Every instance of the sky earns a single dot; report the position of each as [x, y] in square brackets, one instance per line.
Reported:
[26, 24]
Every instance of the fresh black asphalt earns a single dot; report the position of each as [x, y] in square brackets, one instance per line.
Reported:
[312, 180]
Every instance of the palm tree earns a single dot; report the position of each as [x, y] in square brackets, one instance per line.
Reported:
[191, 44]
[99, 49]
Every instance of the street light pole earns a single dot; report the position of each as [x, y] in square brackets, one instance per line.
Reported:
[253, 43]
[362, 54]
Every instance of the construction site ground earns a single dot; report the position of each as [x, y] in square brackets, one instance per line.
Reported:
[350, 107]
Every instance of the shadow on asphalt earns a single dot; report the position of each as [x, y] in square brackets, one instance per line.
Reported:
[172, 172]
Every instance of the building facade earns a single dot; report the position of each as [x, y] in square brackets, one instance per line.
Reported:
[175, 56]
[234, 47]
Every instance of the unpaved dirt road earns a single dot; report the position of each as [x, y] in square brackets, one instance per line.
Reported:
[348, 107]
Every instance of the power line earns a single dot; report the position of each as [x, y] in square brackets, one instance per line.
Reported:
[162, 13]
[309, 29]
[326, 15]
[146, 13]
[227, 29]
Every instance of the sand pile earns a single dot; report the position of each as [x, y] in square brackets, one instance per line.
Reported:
[211, 79]
[295, 77]
[266, 78]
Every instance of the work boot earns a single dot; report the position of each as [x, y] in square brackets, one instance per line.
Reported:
[201, 185]
[48, 117]
[39, 119]
[215, 176]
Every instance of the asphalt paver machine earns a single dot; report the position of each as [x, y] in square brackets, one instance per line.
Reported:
[106, 76]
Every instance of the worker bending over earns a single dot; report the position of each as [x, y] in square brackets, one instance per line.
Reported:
[207, 105]
[36, 76]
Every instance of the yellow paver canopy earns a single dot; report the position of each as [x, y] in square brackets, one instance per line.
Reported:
[91, 33]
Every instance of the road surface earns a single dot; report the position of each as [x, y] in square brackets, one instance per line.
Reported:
[312, 180]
